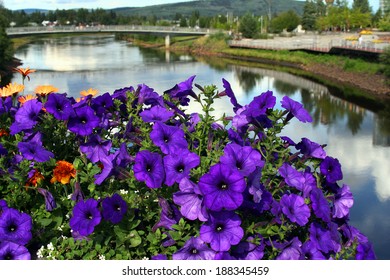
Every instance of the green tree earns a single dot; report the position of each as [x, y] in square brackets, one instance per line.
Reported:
[309, 15]
[6, 49]
[248, 26]
[285, 21]
[361, 5]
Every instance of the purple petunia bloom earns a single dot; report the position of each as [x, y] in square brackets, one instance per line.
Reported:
[321, 238]
[156, 114]
[310, 148]
[260, 104]
[77, 194]
[331, 169]
[102, 103]
[190, 199]
[222, 230]
[320, 205]
[159, 257]
[13, 251]
[178, 165]
[27, 116]
[83, 121]
[5, 105]
[194, 249]
[3, 206]
[114, 208]
[365, 251]
[169, 215]
[33, 149]
[343, 202]
[295, 109]
[244, 159]
[224, 256]
[96, 149]
[168, 138]
[182, 90]
[229, 92]
[222, 188]
[291, 176]
[86, 216]
[148, 96]
[15, 226]
[149, 168]
[290, 250]
[59, 106]
[311, 252]
[249, 250]
[294, 207]
[50, 203]
[3, 151]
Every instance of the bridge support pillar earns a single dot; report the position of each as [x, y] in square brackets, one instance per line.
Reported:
[167, 41]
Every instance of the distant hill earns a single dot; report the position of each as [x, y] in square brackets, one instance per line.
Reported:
[30, 11]
[215, 7]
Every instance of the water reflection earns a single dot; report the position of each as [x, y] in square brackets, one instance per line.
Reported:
[355, 135]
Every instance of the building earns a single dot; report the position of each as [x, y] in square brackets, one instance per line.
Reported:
[384, 5]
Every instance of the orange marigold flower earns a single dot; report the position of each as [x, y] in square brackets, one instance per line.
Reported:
[34, 179]
[24, 72]
[11, 89]
[90, 91]
[45, 89]
[62, 172]
[23, 99]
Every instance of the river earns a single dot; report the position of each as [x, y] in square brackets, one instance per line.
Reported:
[358, 137]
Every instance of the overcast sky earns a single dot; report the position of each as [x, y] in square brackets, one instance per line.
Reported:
[105, 4]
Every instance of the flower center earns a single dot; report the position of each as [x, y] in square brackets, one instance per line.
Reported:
[12, 228]
[8, 256]
[83, 120]
[219, 228]
[194, 251]
[89, 216]
[148, 168]
[223, 186]
[180, 168]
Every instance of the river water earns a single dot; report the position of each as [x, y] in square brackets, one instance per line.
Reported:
[358, 137]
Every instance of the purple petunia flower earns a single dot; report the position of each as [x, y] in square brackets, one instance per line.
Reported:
[59, 106]
[321, 238]
[291, 176]
[310, 148]
[3, 206]
[311, 252]
[5, 105]
[260, 104]
[343, 202]
[159, 257]
[244, 159]
[294, 207]
[15, 226]
[331, 169]
[249, 250]
[13, 251]
[222, 230]
[102, 103]
[320, 205]
[33, 149]
[168, 138]
[50, 203]
[182, 90]
[27, 116]
[194, 249]
[149, 168]
[295, 109]
[77, 194]
[290, 250]
[169, 215]
[96, 149]
[224, 256]
[3, 151]
[365, 251]
[83, 121]
[156, 114]
[222, 188]
[229, 92]
[178, 165]
[148, 96]
[114, 208]
[86, 216]
[190, 199]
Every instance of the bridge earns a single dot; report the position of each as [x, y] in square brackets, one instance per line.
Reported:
[167, 31]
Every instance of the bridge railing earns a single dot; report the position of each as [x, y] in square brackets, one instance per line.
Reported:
[106, 28]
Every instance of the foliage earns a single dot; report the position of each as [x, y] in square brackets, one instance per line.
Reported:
[285, 21]
[132, 175]
[385, 59]
[384, 23]
[248, 26]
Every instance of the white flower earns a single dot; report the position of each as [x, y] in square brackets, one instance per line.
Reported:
[145, 258]
[50, 246]
[40, 252]
[123, 191]
[102, 257]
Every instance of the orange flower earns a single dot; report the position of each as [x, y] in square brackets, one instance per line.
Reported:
[35, 179]
[24, 72]
[3, 132]
[62, 172]
[90, 91]
[45, 90]
[23, 99]
[11, 89]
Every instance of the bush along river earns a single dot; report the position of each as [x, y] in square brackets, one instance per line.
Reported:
[356, 133]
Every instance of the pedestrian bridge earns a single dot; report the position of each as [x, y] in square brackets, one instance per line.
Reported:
[167, 31]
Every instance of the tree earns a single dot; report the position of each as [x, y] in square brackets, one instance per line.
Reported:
[361, 5]
[6, 49]
[285, 21]
[309, 15]
[248, 26]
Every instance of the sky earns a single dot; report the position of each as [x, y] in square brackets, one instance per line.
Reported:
[105, 4]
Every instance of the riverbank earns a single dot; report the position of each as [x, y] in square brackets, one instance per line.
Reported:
[352, 72]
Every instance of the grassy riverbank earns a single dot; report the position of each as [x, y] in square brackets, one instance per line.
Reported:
[350, 72]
